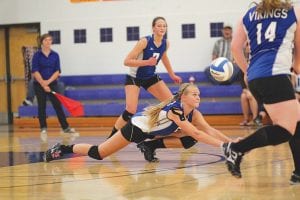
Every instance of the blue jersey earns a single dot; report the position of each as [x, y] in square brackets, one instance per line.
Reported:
[151, 50]
[271, 39]
[164, 126]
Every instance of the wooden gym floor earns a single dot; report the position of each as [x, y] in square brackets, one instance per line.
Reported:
[197, 173]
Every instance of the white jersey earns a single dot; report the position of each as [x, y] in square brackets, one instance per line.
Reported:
[164, 126]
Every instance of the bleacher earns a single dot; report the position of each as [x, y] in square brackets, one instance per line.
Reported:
[103, 95]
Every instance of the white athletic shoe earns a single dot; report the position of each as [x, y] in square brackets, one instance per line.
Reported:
[44, 135]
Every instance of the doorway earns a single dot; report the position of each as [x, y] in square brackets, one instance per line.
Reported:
[12, 67]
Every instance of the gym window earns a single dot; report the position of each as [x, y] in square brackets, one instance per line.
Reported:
[216, 29]
[188, 31]
[133, 33]
[79, 36]
[106, 35]
[55, 36]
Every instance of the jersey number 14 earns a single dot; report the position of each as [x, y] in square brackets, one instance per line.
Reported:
[270, 32]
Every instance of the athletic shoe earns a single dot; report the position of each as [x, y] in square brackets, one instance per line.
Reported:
[27, 102]
[71, 131]
[258, 121]
[233, 160]
[295, 179]
[53, 153]
[43, 134]
[148, 152]
[244, 123]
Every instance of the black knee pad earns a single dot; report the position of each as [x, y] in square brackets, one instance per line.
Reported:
[188, 141]
[94, 153]
[126, 115]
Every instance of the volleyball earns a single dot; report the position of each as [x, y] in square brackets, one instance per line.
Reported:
[221, 69]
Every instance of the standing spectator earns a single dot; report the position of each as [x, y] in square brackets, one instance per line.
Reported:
[272, 38]
[46, 70]
[28, 52]
[142, 61]
[222, 49]
[28, 101]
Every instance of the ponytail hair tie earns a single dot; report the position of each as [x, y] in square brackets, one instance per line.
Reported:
[176, 95]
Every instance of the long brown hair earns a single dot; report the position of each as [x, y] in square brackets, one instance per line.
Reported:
[153, 111]
[156, 19]
[269, 5]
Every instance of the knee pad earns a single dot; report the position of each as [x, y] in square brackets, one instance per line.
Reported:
[188, 141]
[94, 153]
[126, 115]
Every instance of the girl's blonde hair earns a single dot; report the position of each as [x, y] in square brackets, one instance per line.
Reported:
[269, 5]
[153, 111]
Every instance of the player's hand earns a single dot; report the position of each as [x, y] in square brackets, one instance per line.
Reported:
[152, 61]
[176, 79]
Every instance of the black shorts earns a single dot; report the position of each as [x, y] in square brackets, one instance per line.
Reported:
[272, 89]
[243, 84]
[242, 81]
[141, 82]
[133, 133]
[261, 108]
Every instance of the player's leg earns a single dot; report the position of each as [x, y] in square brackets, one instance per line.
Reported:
[159, 89]
[245, 108]
[132, 91]
[282, 107]
[177, 140]
[98, 152]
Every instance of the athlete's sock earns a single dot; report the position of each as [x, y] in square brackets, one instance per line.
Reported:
[155, 144]
[268, 135]
[295, 148]
[67, 148]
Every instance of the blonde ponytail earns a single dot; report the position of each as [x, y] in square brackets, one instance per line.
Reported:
[153, 111]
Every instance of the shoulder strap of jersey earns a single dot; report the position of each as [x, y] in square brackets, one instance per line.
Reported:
[148, 37]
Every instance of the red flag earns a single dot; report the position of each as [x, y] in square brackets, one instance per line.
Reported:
[75, 108]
